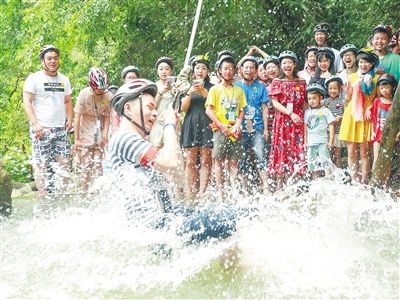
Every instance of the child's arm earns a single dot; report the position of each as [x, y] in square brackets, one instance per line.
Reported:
[349, 92]
[295, 118]
[331, 135]
[368, 113]
[305, 135]
[265, 115]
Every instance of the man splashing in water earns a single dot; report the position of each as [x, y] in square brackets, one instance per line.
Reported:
[134, 161]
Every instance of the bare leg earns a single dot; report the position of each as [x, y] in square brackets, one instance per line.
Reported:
[40, 179]
[86, 159]
[61, 175]
[219, 176]
[279, 182]
[352, 160]
[264, 179]
[205, 169]
[191, 172]
[365, 165]
[337, 157]
[233, 171]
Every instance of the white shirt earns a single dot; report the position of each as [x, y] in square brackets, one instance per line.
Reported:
[49, 97]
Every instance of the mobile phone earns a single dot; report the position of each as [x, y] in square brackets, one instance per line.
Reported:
[171, 80]
[198, 82]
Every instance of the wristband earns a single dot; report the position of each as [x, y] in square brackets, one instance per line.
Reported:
[158, 93]
[169, 124]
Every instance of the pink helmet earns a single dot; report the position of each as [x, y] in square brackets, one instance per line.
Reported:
[98, 79]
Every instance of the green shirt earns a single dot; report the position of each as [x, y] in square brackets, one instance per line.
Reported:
[391, 64]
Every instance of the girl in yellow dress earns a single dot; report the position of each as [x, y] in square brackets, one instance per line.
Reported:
[356, 127]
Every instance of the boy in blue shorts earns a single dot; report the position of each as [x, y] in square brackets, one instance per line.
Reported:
[316, 121]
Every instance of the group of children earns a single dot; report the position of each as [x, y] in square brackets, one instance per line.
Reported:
[312, 114]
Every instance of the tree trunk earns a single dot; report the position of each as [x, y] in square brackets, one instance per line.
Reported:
[386, 158]
[6, 188]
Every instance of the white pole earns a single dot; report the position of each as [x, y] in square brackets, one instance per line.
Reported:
[194, 28]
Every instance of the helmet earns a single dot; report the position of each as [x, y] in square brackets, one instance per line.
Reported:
[322, 27]
[48, 48]
[333, 78]
[224, 52]
[200, 59]
[387, 78]
[309, 49]
[347, 48]
[166, 60]
[252, 59]
[271, 59]
[112, 89]
[369, 55]
[128, 69]
[131, 90]
[98, 79]
[383, 28]
[225, 58]
[315, 87]
[288, 54]
[328, 52]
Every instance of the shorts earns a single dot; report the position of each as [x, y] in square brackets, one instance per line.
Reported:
[336, 142]
[225, 148]
[53, 144]
[253, 141]
[318, 157]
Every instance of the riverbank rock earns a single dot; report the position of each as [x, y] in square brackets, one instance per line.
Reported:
[6, 188]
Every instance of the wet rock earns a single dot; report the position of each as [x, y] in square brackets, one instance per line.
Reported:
[6, 188]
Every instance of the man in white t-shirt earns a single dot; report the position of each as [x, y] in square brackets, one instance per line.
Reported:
[321, 37]
[48, 105]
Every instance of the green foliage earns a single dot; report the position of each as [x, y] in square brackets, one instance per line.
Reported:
[114, 33]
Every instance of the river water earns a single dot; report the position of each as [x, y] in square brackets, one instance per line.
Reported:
[336, 241]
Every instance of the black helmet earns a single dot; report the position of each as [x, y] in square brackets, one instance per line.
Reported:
[204, 59]
[131, 90]
[368, 55]
[48, 48]
[347, 48]
[387, 78]
[225, 58]
[224, 52]
[328, 51]
[383, 28]
[166, 60]
[333, 78]
[315, 87]
[322, 27]
[288, 54]
[128, 69]
[252, 59]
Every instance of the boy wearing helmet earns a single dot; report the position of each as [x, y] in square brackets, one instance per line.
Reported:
[48, 104]
[316, 120]
[92, 120]
[225, 107]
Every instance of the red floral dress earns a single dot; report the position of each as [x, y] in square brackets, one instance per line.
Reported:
[287, 154]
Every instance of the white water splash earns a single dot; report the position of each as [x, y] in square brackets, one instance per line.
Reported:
[335, 241]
